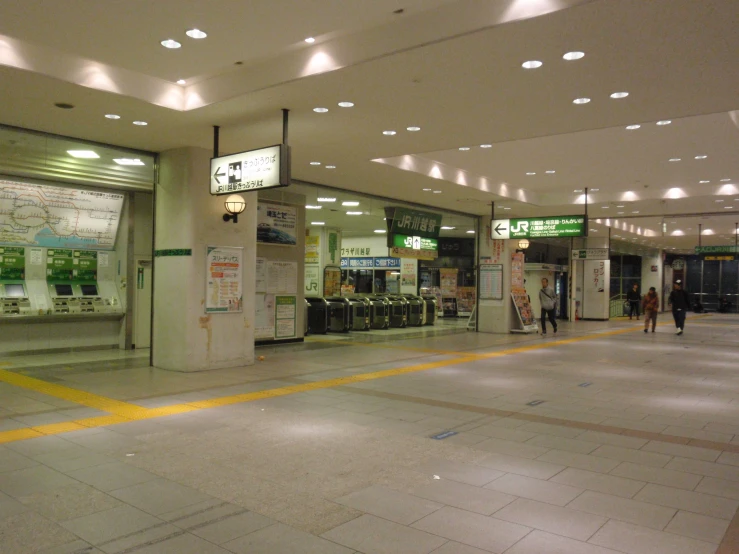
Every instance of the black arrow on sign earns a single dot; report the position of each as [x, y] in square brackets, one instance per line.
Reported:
[216, 175]
[498, 229]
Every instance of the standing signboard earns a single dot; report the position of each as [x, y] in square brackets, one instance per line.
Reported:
[224, 279]
[252, 170]
[520, 297]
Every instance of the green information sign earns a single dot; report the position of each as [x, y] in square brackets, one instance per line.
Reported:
[56, 274]
[403, 221]
[59, 259]
[726, 249]
[538, 227]
[12, 263]
[416, 243]
[285, 317]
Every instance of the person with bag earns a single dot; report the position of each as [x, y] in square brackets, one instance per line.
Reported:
[548, 300]
[633, 297]
[650, 304]
[680, 303]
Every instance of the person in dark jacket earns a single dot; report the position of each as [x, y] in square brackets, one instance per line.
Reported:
[651, 307]
[634, 298]
[680, 303]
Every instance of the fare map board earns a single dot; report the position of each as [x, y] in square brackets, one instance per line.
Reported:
[57, 217]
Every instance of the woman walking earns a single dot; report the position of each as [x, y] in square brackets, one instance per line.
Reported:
[651, 307]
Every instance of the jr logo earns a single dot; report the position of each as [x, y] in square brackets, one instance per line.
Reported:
[520, 227]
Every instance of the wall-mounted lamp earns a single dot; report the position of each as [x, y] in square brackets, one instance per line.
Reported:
[235, 205]
[523, 244]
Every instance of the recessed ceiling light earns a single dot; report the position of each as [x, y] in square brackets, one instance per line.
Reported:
[128, 161]
[426, 190]
[380, 231]
[464, 148]
[531, 64]
[330, 167]
[140, 123]
[675, 159]
[725, 180]
[310, 40]
[470, 232]
[317, 223]
[635, 212]
[413, 129]
[581, 100]
[313, 207]
[112, 116]
[169, 43]
[716, 200]
[88, 154]
[353, 213]
[315, 163]
[701, 157]
[605, 207]
[181, 82]
[577, 190]
[704, 182]
[664, 122]
[571, 56]
[196, 33]
[326, 199]
[448, 228]
[550, 171]
[346, 104]
[728, 207]
[320, 110]
[620, 213]
[531, 173]
[506, 208]
[633, 127]
[594, 190]
[619, 95]
[486, 146]
[350, 203]
[389, 133]
[437, 192]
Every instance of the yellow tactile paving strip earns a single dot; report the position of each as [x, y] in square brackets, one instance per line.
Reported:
[122, 412]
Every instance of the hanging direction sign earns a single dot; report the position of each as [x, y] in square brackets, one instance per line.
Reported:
[538, 227]
[725, 249]
[253, 170]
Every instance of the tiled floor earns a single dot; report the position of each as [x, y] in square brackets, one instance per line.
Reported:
[634, 450]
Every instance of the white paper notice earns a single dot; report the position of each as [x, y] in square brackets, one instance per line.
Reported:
[282, 277]
[37, 257]
[261, 284]
[264, 316]
[103, 259]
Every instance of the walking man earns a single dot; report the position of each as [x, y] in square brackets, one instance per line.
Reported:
[548, 300]
[634, 298]
[680, 302]
[651, 307]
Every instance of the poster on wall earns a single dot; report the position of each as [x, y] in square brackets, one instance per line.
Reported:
[277, 224]
[58, 217]
[264, 316]
[312, 248]
[12, 263]
[491, 281]
[448, 278]
[282, 277]
[332, 281]
[224, 278]
[285, 315]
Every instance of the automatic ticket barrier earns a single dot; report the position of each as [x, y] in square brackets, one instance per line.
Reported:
[431, 306]
[398, 311]
[416, 310]
[379, 312]
[339, 314]
[360, 314]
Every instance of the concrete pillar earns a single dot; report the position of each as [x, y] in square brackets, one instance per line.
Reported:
[591, 280]
[496, 316]
[189, 218]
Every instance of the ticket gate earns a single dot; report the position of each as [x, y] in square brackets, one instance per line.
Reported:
[416, 310]
[430, 318]
[306, 329]
[379, 312]
[339, 310]
[398, 311]
[360, 314]
[317, 315]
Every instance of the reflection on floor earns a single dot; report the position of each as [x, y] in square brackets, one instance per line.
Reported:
[599, 440]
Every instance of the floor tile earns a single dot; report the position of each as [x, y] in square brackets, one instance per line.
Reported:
[551, 430]
[699, 527]
[473, 529]
[111, 524]
[709, 469]
[613, 440]
[535, 489]
[719, 487]
[231, 527]
[554, 519]
[388, 504]
[73, 459]
[681, 450]
[70, 502]
[10, 461]
[690, 501]
[623, 509]
[372, 535]
[659, 476]
[453, 547]
[465, 497]
[599, 482]
[23, 482]
[521, 466]
[580, 461]
[729, 458]
[498, 432]
[629, 455]
[9, 506]
[539, 542]
[632, 539]
[40, 445]
[511, 448]
[563, 444]
[28, 532]
[75, 547]
[159, 496]
[182, 544]
[459, 471]
[113, 476]
[282, 539]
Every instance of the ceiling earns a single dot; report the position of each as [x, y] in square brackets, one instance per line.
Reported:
[451, 67]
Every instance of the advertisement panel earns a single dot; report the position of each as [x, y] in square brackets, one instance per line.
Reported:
[277, 224]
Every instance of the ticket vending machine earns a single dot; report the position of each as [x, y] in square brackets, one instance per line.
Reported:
[14, 298]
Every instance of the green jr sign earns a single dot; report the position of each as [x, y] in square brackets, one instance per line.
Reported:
[728, 249]
[416, 243]
[538, 227]
[403, 221]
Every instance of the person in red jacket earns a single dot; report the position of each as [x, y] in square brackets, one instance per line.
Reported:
[650, 304]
